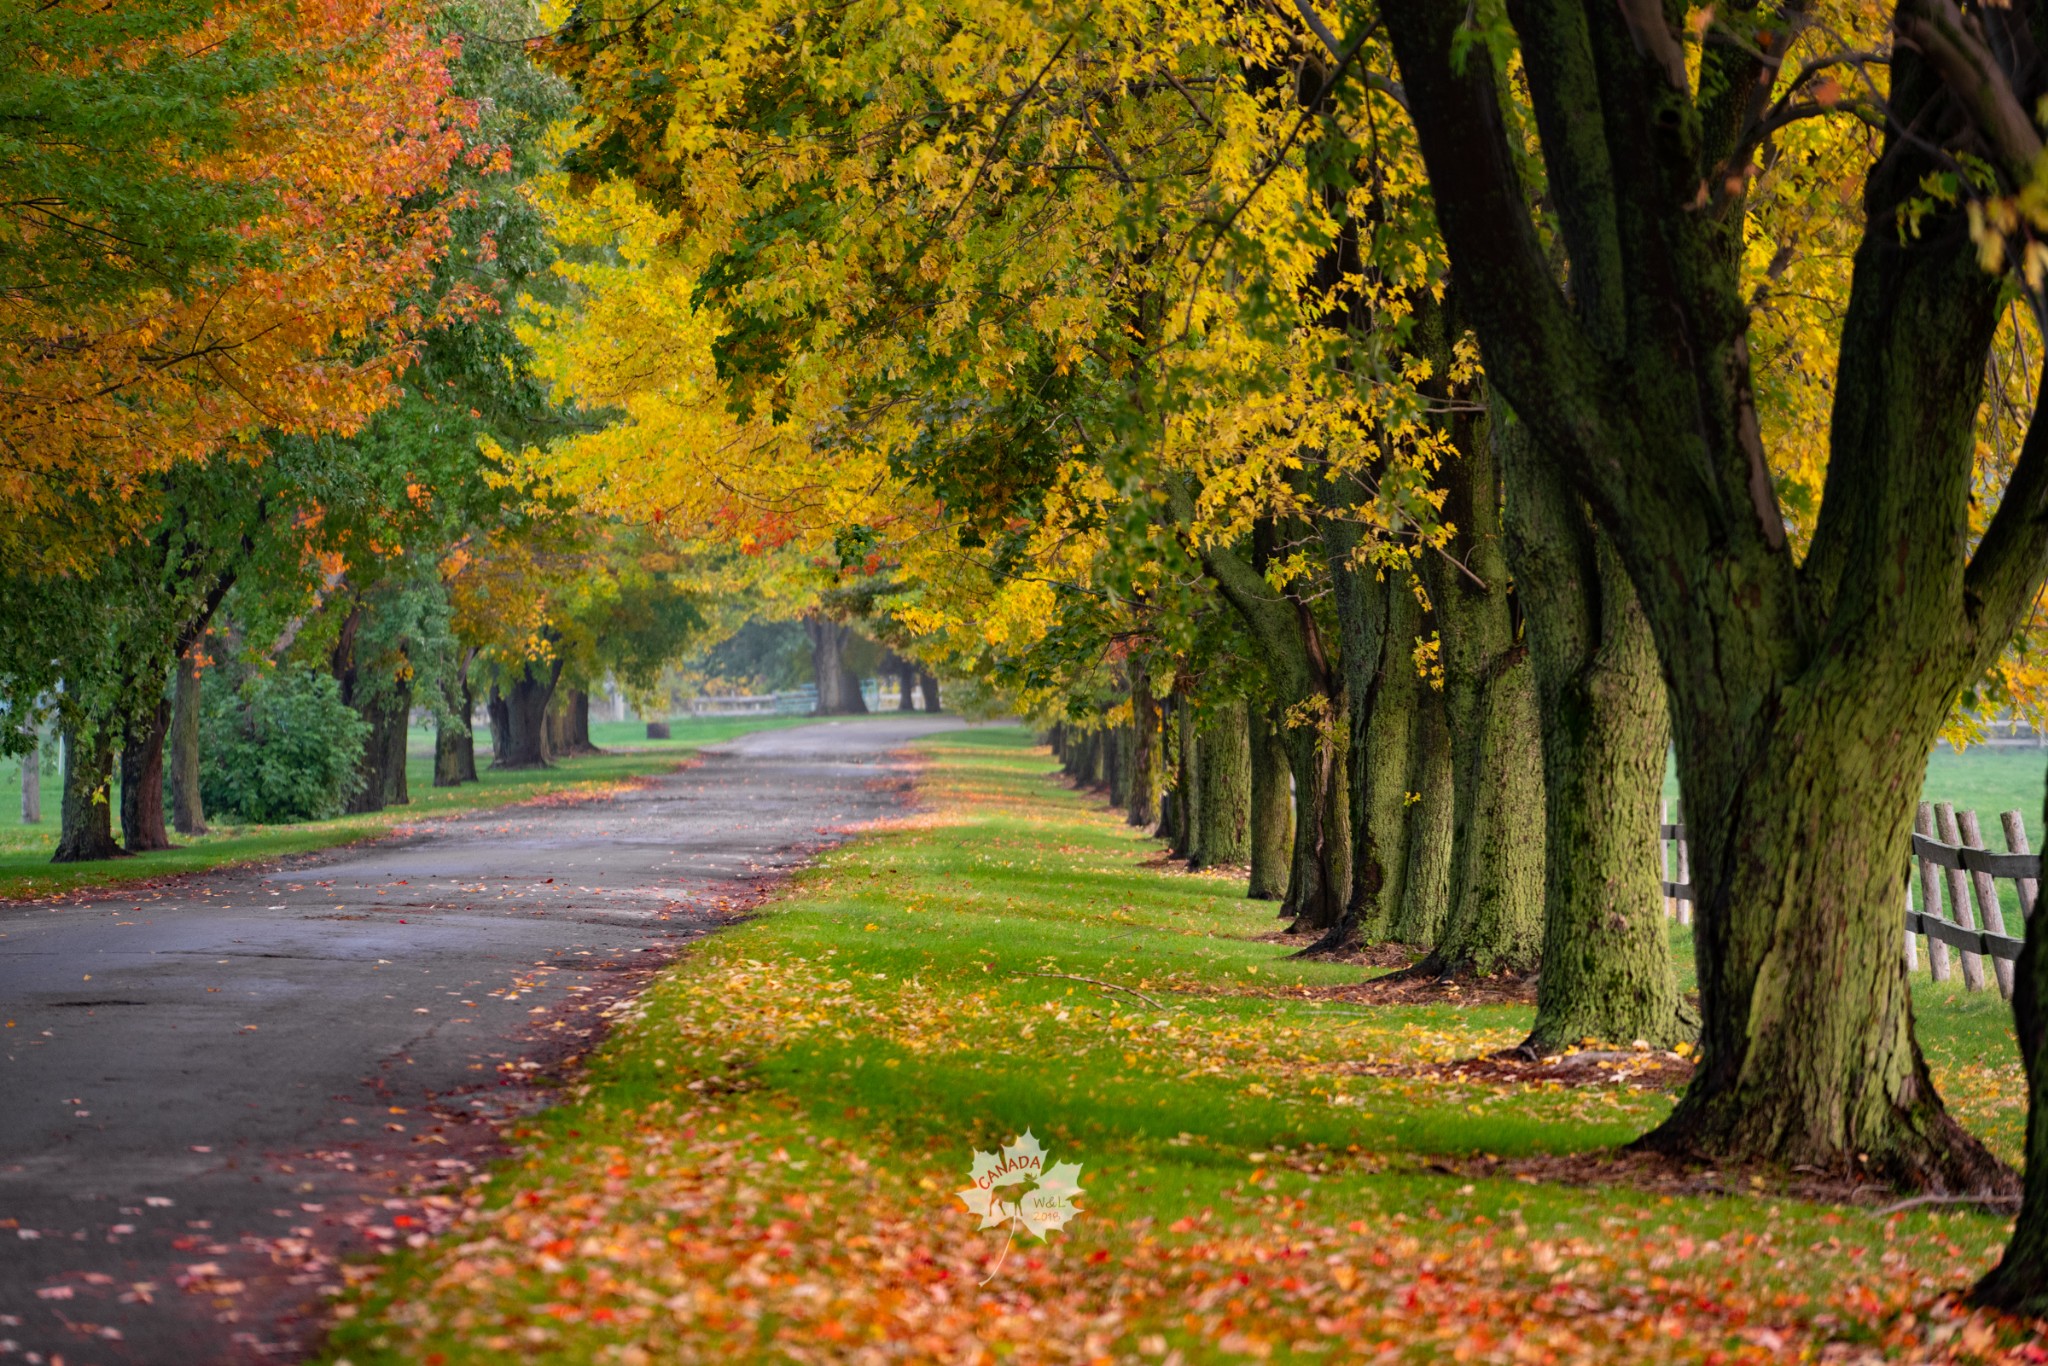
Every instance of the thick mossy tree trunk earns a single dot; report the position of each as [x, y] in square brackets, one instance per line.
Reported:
[526, 710]
[1606, 960]
[87, 830]
[1804, 694]
[838, 689]
[1426, 886]
[2019, 1283]
[1386, 769]
[1272, 814]
[1141, 802]
[142, 779]
[1376, 738]
[1313, 705]
[188, 809]
[1495, 919]
[1224, 788]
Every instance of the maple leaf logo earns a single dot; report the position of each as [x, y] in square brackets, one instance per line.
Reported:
[1046, 1205]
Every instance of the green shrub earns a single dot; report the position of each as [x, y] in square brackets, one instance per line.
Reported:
[281, 747]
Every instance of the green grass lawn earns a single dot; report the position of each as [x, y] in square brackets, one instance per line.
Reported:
[760, 1163]
[26, 870]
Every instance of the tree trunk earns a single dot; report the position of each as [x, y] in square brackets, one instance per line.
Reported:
[1172, 827]
[928, 684]
[2019, 1283]
[87, 831]
[142, 780]
[838, 689]
[32, 784]
[526, 709]
[1187, 783]
[1804, 692]
[500, 712]
[1606, 959]
[1142, 801]
[1432, 824]
[1387, 766]
[188, 809]
[1272, 814]
[1224, 788]
[454, 736]
[906, 685]
[1495, 921]
[1118, 747]
[383, 762]
[567, 724]
[1317, 754]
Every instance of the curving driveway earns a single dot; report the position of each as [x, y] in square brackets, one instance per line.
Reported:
[213, 1089]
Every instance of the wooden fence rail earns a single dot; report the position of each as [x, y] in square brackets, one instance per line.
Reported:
[1973, 920]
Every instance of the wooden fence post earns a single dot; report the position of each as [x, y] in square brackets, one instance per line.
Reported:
[1930, 897]
[1990, 915]
[1959, 896]
[2016, 840]
[1912, 949]
[1664, 858]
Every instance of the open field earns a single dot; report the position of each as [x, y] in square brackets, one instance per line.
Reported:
[760, 1163]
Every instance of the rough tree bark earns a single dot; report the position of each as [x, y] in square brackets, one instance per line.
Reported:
[1426, 886]
[526, 709]
[188, 808]
[1382, 772]
[1223, 789]
[87, 830]
[838, 689]
[1494, 922]
[142, 780]
[1804, 695]
[1606, 959]
[1272, 815]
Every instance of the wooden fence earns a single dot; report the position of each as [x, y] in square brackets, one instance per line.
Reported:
[1948, 854]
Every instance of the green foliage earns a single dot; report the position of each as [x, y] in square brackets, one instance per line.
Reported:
[281, 747]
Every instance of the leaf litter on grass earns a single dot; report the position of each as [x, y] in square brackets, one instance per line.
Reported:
[761, 1162]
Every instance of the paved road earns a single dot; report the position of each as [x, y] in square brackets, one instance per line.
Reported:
[212, 1090]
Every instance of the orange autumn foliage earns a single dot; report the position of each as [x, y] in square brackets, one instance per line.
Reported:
[304, 332]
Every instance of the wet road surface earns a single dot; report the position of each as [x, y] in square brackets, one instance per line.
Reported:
[211, 1090]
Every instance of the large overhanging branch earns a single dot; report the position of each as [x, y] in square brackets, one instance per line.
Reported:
[1956, 48]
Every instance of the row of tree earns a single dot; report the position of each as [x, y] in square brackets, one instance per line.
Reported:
[1488, 402]
[259, 360]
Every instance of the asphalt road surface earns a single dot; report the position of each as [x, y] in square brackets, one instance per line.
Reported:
[219, 1091]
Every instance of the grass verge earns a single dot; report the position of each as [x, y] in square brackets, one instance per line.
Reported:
[760, 1163]
[26, 870]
